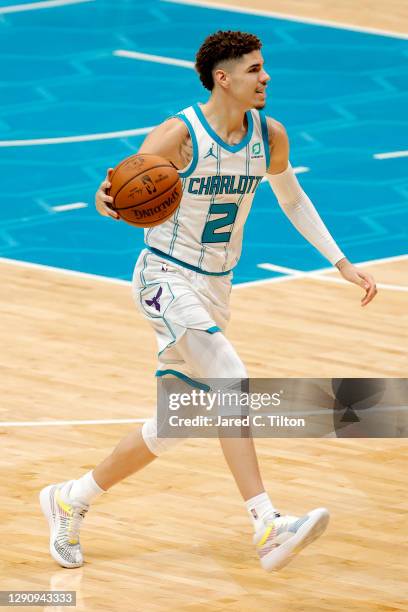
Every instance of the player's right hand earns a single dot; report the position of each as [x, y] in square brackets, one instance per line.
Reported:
[103, 200]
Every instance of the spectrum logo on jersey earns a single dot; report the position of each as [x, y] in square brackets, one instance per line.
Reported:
[256, 151]
[217, 185]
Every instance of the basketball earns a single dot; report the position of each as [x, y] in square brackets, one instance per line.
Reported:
[146, 190]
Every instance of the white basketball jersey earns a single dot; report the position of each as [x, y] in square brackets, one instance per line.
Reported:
[219, 184]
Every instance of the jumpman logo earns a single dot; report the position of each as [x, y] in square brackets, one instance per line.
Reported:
[155, 301]
[210, 152]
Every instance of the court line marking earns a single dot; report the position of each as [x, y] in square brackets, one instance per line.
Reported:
[73, 206]
[296, 170]
[307, 413]
[322, 277]
[289, 17]
[391, 155]
[81, 138]
[291, 277]
[18, 8]
[75, 422]
[117, 281]
[159, 59]
[65, 271]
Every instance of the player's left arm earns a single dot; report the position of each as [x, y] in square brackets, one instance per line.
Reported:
[303, 215]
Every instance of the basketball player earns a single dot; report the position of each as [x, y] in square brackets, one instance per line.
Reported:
[182, 282]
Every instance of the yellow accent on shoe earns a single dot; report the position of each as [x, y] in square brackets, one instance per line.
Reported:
[66, 507]
[74, 540]
[266, 535]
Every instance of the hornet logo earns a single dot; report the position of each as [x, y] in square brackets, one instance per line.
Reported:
[155, 301]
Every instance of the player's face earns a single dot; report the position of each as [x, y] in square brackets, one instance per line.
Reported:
[249, 80]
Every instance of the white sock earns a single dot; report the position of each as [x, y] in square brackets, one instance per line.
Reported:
[85, 488]
[260, 510]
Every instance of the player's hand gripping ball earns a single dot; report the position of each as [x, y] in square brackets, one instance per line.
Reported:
[146, 190]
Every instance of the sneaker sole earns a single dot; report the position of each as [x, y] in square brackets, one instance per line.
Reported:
[308, 532]
[45, 503]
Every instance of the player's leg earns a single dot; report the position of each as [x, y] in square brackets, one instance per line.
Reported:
[65, 504]
[137, 449]
[129, 456]
[277, 538]
[213, 356]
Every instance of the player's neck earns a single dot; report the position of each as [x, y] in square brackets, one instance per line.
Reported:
[226, 119]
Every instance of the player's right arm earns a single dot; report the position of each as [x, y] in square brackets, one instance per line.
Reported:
[171, 140]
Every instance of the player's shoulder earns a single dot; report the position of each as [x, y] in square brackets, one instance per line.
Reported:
[276, 131]
[172, 127]
[171, 140]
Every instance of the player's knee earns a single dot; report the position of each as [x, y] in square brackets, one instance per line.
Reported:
[231, 367]
[239, 370]
[156, 445]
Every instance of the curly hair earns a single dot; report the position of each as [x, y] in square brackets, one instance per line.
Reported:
[223, 45]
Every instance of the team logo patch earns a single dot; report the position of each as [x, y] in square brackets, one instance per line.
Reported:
[155, 300]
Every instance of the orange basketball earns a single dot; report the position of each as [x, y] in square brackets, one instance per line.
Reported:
[146, 190]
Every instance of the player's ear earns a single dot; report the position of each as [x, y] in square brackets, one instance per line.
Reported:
[221, 77]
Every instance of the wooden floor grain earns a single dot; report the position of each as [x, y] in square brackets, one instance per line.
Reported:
[391, 16]
[176, 537]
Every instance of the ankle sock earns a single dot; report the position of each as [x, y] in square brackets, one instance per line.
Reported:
[85, 488]
[260, 509]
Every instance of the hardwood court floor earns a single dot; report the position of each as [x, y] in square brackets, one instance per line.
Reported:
[392, 15]
[176, 537]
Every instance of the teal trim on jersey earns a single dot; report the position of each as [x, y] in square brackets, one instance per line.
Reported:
[176, 223]
[265, 138]
[142, 278]
[237, 205]
[166, 347]
[194, 161]
[162, 317]
[214, 135]
[203, 248]
[187, 379]
[148, 314]
[184, 264]
[213, 330]
[148, 233]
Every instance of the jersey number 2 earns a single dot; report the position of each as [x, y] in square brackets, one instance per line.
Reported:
[230, 212]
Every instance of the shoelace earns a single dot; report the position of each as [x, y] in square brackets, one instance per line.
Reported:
[286, 521]
[78, 514]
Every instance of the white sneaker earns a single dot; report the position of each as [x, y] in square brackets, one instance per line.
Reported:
[279, 541]
[64, 520]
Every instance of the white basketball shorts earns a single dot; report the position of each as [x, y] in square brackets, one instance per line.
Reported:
[173, 299]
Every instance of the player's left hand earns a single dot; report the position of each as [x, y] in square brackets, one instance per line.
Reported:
[356, 276]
